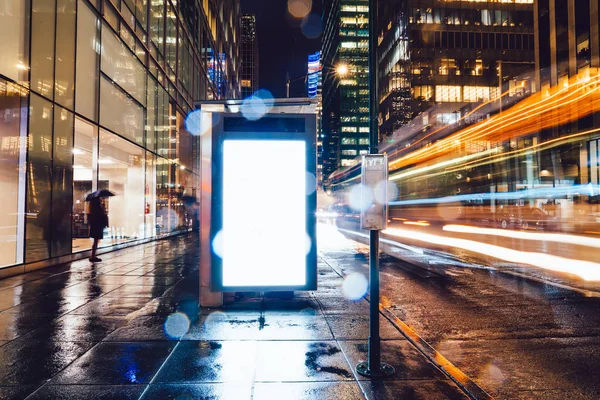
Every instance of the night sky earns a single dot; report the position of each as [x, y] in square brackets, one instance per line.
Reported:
[282, 44]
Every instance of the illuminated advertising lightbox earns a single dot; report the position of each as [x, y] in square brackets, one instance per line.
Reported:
[263, 224]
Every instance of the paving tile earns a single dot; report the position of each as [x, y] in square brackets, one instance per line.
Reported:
[400, 354]
[88, 392]
[295, 361]
[10, 298]
[13, 325]
[412, 390]
[340, 305]
[150, 328]
[294, 326]
[52, 305]
[357, 327]
[141, 270]
[116, 364]
[78, 328]
[121, 270]
[137, 291]
[154, 281]
[87, 288]
[32, 362]
[113, 306]
[308, 391]
[294, 304]
[210, 361]
[112, 279]
[226, 326]
[198, 391]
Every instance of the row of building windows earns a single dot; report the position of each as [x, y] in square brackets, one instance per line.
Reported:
[354, 32]
[472, 40]
[468, 16]
[354, 141]
[362, 129]
[449, 93]
[359, 20]
[354, 8]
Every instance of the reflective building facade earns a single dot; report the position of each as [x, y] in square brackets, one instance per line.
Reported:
[94, 95]
[249, 54]
[450, 54]
[346, 98]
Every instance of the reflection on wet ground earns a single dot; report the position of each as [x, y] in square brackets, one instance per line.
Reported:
[130, 327]
[516, 337]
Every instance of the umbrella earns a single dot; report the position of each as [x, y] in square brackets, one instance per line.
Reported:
[98, 194]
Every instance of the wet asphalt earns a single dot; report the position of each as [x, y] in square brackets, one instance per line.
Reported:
[517, 338]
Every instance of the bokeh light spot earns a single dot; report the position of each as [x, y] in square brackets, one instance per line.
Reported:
[359, 201]
[253, 108]
[312, 26]
[215, 318]
[311, 183]
[192, 123]
[217, 244]
[299, 8]
[355, 286]
[176, 325]
[307, 243]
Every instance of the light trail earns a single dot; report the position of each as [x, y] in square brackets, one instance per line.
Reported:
[587, 270]
[545, 237]
[579, 98]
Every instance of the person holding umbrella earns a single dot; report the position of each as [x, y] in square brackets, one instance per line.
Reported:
[97, 218]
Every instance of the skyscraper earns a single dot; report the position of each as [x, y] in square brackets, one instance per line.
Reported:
[249, 49]
[567, 44]
[449, 54]
[314, 89]
[345, 44]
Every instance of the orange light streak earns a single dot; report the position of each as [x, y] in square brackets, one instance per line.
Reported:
[564, 104]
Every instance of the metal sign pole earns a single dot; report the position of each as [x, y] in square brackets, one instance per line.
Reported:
[376, 218]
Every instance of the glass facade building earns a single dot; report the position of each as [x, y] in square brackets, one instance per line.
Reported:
[346, 98]
[453, 53]
[249, 55]
[94, 94]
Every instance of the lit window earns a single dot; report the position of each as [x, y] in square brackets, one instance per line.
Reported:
[348, 152]
[348, 141]
[348, 129]
[363, 141]
[364, 129]
[349, 163]
[450, 94]
[448, 67]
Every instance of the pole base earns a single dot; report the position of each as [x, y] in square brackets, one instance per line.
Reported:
[384, 371]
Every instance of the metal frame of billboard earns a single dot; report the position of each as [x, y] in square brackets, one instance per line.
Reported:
[240, 128]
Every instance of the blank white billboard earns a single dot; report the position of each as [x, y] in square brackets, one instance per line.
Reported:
[263, 241]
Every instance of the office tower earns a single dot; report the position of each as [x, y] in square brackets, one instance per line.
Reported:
[450, 55]
[345, 53]
[249, 49]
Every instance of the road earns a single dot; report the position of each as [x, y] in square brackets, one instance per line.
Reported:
[515, 336]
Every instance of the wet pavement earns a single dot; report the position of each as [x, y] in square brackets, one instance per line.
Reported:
[131, 328]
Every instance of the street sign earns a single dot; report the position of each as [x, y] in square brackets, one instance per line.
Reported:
[374, 178]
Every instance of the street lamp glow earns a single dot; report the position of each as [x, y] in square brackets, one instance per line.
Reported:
[342, 69]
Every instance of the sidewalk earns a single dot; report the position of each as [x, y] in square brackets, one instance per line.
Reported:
[130, 327]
